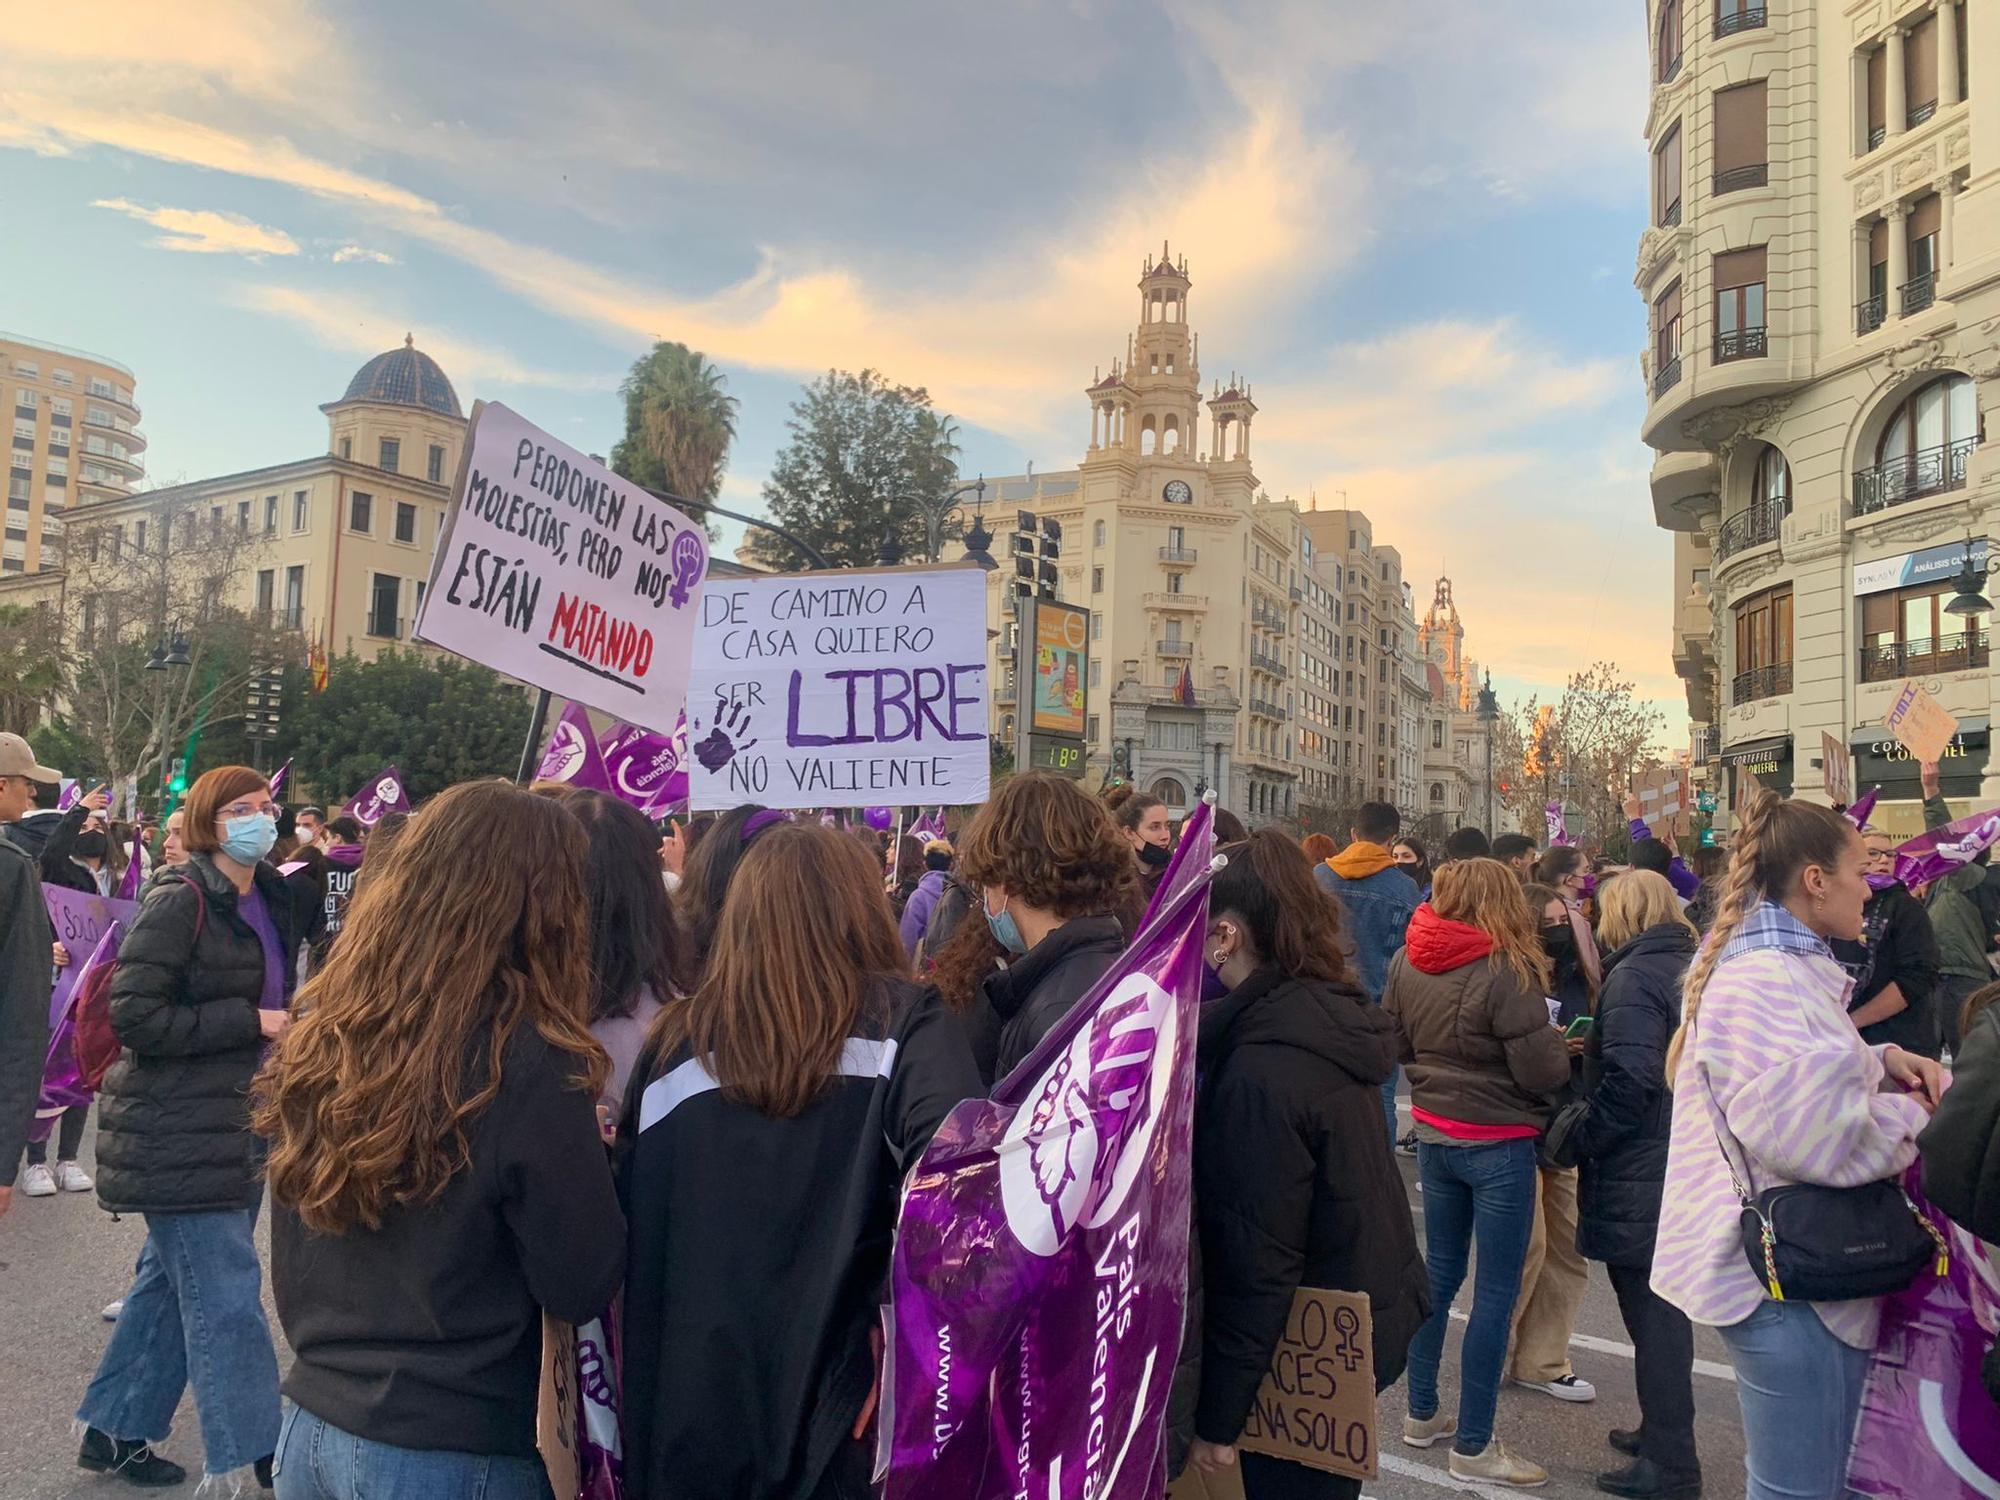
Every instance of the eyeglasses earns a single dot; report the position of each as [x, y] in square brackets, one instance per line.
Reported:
[248, 810]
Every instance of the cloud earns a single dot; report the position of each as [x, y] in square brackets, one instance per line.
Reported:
[348, 253]
[203, 231]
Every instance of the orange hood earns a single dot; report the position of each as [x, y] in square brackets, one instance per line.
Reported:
[1360, 860]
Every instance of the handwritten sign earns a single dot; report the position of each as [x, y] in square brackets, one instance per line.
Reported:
[554, 570]
[556, 1409]
[1662, 798]
[1316, 1405]
[849, 689]
[1919, 722]
[80, 921]
[1836, 770]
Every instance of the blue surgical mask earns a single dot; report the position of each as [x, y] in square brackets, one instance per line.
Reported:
[1006, 931]
[249, 838]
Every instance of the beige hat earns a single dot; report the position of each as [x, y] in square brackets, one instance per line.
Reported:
[16, 759]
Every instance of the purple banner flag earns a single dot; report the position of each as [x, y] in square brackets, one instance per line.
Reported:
[71, 790]
[80, 920]
[572, 756]
[646, 768]
[382, 795]
[1558, 825]
[1930, 856]
[135, 866]
[1863, 806]
[278, 778]
[1039, 1276]
[928, 826]
[62, 1084]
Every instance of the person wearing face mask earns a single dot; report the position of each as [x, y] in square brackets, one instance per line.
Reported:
[1894, 962]
[1564, 871]
[1413, 861]
[1053, 876]
[201, 986]
[1143, 819]
[1294, 1183]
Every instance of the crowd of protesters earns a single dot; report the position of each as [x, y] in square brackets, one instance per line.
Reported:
[671, 1079]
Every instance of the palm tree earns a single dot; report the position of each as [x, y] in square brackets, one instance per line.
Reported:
[679, 423]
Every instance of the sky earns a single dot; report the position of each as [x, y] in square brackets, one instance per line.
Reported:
[1412, 228]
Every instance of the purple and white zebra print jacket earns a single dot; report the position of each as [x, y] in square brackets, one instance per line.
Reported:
[1805, 1100]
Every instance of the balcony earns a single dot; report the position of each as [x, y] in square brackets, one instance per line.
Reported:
[1753, 526]
[1922, 112]
[1740, 343]
[1169, 599]
[1871, 315]
[1894, 660]
[1738, 178]
[1259, 662]
[1298, 594]
[1174, 648]
[1672, 217]
[1761, 682]
[1667, 376]
[1919, 292]
[1729, 23]
[1179, 557]
[1267, 708]
[1934, 471]
[1877, 134]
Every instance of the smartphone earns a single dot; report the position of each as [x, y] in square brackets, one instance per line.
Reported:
[1580, 1027]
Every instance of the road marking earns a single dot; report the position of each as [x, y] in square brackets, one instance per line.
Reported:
[1395, 1463]
[1596, 1345]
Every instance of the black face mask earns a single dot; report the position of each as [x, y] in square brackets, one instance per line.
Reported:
[1155, 856]
[1558, 942]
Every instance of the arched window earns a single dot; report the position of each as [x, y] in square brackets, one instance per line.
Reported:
[1437, 794]
[1925, 445]
[1170, 441]
[1149, 436]
[1772, 483]
[1170, 791]
[1007, 728]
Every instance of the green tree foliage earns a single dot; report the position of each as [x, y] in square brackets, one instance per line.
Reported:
[859, 448]
[443, 720]
[679, 423]
[32, 668]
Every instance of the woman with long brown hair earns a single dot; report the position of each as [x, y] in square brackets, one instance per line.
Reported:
[436, 1169]
[768, 1123]
[1466, 996]
[1057, 883]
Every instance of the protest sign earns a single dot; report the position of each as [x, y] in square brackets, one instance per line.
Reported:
[1836, 770]
[849, 689]
[1558, 824]
[1662, 795]
[1039, 1273]
[572, 756]
[556, 1414]
[648, 769]
[80, 921]
[1919, 722]
[382, 795]
[554, 570]
[1316, 1405]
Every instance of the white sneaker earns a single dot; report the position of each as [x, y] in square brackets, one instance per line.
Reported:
[113, 1309]
[1564, 1388]
[73, 1179]
[1422, 1432]
[37, 1181]
[1495, 1465]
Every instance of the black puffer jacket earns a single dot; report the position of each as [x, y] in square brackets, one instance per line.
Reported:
[173, 1124]
[1020, 1003]
[1294, 1182]
[1624, 1141]
[1961, 1145]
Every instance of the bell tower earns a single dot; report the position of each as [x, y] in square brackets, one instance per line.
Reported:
[1162, 368]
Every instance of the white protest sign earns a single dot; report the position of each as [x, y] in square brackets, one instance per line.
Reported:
[554, 570]
[846, 689]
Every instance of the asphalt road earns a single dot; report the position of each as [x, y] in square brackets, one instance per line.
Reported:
[62, 1259]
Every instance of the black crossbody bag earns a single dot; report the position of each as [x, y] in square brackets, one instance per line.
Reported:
[1809, 1243]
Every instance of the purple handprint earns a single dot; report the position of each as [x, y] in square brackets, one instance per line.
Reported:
[725, 741]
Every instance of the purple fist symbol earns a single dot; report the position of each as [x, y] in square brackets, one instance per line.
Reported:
[725, 740]
[687, 560]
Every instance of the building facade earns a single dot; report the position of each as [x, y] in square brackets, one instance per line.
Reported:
[1822, 273]
[76, 440]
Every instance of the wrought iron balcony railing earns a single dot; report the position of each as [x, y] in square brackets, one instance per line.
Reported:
[1740, 343]
[1738, 178]
[1729, 22]
[1761, 682]
[1894, 660]
[1756, 524]
[1932, 471]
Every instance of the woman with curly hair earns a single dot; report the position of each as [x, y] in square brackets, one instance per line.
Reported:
[437, 1173]
[1055, 877]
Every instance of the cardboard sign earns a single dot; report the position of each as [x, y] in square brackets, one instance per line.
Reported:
[847, 689]
[1836, 770]
[554, 570]
[1662, 794]
[80, 921]
[556, 1409]
[1317, 1403]
[1919, 722]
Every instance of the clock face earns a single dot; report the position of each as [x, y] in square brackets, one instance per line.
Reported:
[1177, 492]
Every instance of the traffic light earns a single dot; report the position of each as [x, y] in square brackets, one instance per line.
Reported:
[177, 778]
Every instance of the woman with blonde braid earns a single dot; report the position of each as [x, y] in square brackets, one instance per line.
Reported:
[1767, 1066]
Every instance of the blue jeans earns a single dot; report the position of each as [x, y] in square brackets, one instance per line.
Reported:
[194, 1314]
[318, 1461]
[1800, 1389]
[1389, 1103]
[1488, 1190]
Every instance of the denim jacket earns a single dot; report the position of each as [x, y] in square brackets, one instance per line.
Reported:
[1379, 908]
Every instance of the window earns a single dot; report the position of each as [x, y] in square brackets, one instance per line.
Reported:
[1097, 580]
[1874, 308]
[1437, 734]
[243, 518]
[1742, 137]
[98, 416]
[59, 409]
[1877, 122]
[360, 512]
[301, 510]
[420, 597]
[1174, 581]
[347, 447]
[1773, 480]
[295, 597]
[1096, 672]
[1097, 534]
[1669, 39]
[1926, 216]
[1732, 16]
[1090, 733]
[267, 588]
[1097, 626]
[139, 536]
[434, 465]
[406, 521]
[215, 523]
[1764, 645]
[26, 400]
[64, 378]
[392, 454]
[1667, 338]
[1924, 447]
[270, 515]
[1906, 632]
[1920, 70]
[385, 593]
[1739, 305]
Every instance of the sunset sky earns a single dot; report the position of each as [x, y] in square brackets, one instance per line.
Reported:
[1412, 228]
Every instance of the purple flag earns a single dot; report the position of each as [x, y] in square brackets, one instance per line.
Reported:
[646, 768]
[382, 795]
[72, 789]
[80, 919]
[62, 1085]
[1930, 856]
[1863, 806]
[278, 780]
[1558, 825]
[572, 756]
[135, 866]
[1039, 1276]
[928, 826]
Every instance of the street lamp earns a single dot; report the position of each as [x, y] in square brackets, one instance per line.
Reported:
[936, 512]
[1488, 712]
[169, 655]
[1970, 598]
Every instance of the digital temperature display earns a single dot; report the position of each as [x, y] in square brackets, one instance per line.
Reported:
[1051, 752]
